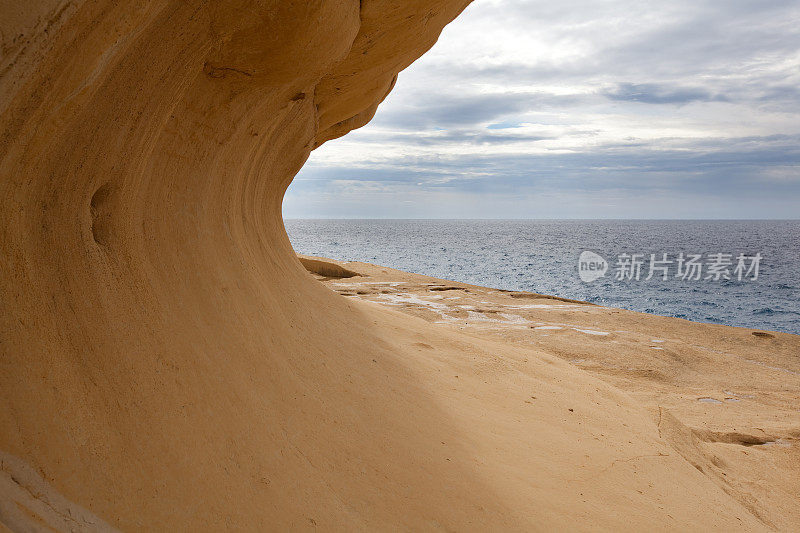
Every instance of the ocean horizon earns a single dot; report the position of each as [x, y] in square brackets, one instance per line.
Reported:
[542, 255]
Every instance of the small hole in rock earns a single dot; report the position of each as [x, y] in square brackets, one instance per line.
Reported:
[101, 227]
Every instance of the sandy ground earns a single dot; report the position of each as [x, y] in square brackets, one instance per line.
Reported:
[734, 393]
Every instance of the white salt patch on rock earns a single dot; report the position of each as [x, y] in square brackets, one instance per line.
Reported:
[543, 306]
[708, 400]
[513, 319]
[548, 327]
[778, 442]
[406, 298]
[591, 331]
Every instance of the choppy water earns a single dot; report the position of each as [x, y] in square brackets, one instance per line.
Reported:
[542, 256]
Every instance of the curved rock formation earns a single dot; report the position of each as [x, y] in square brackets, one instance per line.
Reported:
[167, 363]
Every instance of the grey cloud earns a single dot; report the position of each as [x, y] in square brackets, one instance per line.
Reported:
[455, 136]
[726, 45]
[714, 166]
[653, 93]
[439, 111]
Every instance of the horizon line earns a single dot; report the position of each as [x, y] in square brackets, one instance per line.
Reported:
[558, 219]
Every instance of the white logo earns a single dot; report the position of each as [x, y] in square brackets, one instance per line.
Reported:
[591, 266]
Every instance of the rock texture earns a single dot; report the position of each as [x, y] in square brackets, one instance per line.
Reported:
[726, 399]
[166, 363]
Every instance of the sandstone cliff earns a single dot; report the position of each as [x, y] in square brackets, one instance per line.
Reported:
[166, 363]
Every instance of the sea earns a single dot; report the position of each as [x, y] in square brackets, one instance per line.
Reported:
[735, 272]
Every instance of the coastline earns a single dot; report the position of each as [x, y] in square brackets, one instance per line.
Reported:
[725, 397]
[543, 256]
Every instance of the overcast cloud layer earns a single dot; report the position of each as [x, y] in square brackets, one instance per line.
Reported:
[581, 109]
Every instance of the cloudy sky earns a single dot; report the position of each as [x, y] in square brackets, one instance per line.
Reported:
[581, 109]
